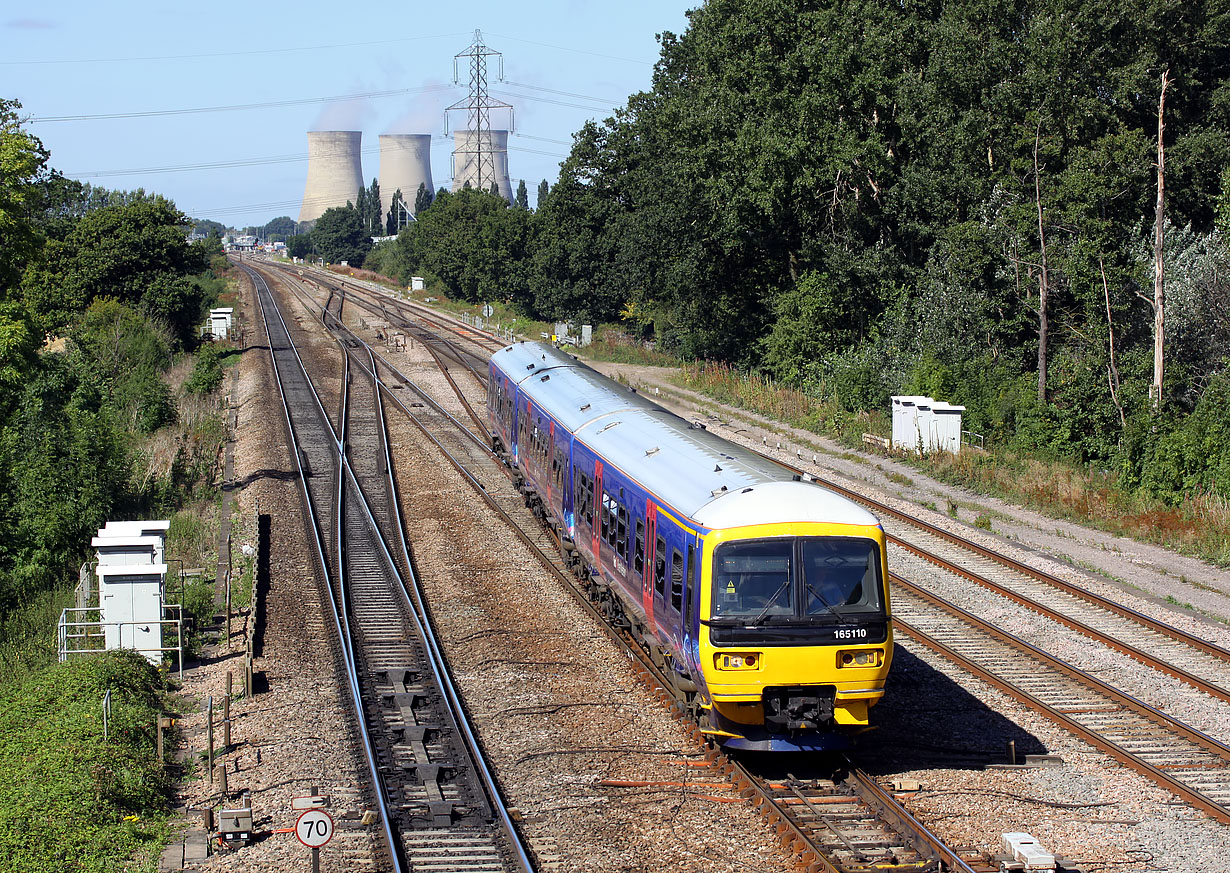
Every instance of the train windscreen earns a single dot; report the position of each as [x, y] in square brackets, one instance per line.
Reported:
[796, 578]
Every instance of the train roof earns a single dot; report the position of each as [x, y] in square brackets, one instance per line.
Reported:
[715, 482]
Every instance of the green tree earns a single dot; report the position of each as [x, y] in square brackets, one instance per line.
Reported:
[299, 246]
[543, 190]
[522, 198]
[473, 243]
[362, 207]
[126, 354]
[23, 163]
[423, 199]
[373, 219]
[278, 229]
[137, 253]
[339, 235]
[392, 222]
[64, 465]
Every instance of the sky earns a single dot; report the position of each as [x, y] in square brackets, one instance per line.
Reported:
[210, 104]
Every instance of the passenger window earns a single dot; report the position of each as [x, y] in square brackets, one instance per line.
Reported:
[659, 566]
[605, 520]
[638, 561]
[676, 580]
[621, 531]
[585, 498]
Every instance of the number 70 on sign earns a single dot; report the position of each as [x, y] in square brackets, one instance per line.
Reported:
[314, 828]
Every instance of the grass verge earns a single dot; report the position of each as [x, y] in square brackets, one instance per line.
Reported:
[69, 799]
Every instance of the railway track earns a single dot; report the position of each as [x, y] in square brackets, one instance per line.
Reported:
[1163, 749]
[838, 822]
[1180, 758]
[1195, 661]
[436, 800]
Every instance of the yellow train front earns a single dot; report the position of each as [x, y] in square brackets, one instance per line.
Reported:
[763, 595]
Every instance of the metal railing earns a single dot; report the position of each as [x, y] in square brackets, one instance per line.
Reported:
[82, 632]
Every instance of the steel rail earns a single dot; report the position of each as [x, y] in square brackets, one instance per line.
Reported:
[1192, 735]
[780, 816]
[1160, 627]
[412, 596]
[904, 821]
[1075, 624]
[415, 601]
[791, 834]
[352, 682]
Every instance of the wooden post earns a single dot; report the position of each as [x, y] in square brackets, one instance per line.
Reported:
[226, 718]
[248, 690]
[158, 721]
[209, 755]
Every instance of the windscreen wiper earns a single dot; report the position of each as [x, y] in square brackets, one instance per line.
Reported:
[772, 602]
[830, 607]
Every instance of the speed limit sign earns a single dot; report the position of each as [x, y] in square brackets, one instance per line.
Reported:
[314, 828]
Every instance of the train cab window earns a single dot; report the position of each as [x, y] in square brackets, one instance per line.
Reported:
[752, 579]
[638, 559]
[659, 567]
[840, 574]
[676, 580]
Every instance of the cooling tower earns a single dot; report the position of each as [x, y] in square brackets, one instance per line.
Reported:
[466, 161]
[335, 171]
[405, 163]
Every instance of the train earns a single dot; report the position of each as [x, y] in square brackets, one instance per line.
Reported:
[761, 594]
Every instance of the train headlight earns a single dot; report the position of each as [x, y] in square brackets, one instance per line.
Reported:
[737, 660]
[860, 658]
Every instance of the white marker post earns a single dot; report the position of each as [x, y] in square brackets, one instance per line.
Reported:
[314, 829]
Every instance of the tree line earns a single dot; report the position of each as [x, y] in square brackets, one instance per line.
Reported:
[935, 197]
[100, 293]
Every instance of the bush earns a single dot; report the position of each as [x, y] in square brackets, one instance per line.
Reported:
[69, 799]
[207, 374]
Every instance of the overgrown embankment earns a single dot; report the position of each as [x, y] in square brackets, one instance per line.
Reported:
[73, 798]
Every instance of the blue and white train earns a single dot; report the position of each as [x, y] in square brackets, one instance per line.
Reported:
[764, 595]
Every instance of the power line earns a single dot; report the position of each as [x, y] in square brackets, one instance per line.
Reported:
[306, 48]
[213, 165]
[543, 139]
[602, 100]
[549, 100]
[238, 106]
[272, 159]
[575, 50]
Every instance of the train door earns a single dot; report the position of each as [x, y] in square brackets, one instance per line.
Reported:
[596, 526]
[647, 581]
[691, 600]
